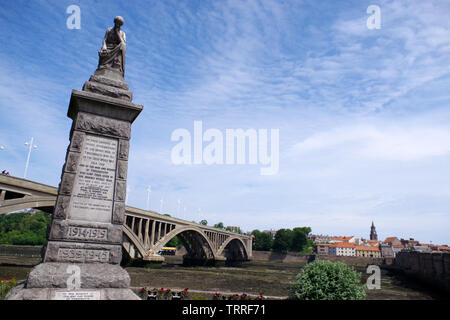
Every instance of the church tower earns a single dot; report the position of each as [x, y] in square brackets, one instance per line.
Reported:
[373, 232]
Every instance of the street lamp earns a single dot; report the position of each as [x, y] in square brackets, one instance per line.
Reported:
[30, 146]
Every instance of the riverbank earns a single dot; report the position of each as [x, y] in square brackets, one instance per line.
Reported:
[270, 278]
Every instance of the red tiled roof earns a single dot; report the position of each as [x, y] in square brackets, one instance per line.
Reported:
[390, 239]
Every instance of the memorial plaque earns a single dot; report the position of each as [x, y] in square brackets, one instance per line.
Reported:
[93, 191]
[77, 295]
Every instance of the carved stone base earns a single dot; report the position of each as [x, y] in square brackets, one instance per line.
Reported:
[92, 275]
[21, 293]
[97, 281]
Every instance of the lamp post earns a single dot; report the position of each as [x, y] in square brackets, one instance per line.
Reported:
[30, 146]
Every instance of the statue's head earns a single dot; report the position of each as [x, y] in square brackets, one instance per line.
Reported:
[118, 21]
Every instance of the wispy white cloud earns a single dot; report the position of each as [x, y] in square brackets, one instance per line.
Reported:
[380, 143]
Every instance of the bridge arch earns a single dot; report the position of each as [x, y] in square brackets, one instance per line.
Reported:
[133, 241]
[234, 249]
[179, 232]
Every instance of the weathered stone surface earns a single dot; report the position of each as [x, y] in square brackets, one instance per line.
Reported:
[96, 232]
[118, 213]
[76, 142]
[102, 125]
[120, 190]
[77, 252]
[67, 183]
[92, 275]
[101, 105]
[122, 169]
[109, 82]
[124, 147]
[61, 207]
[72, 161]
[115, 92]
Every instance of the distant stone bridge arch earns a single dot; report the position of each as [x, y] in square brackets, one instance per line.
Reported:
[144, 232]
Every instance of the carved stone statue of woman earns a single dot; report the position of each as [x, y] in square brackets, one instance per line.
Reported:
[113, 51]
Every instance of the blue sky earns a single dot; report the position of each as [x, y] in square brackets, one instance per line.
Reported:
[363, 114]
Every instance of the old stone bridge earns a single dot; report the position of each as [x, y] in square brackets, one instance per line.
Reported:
[144, 232]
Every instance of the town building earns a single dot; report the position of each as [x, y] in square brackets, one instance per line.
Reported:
[365, 251]
[409, 243]
[322, 248]
[342, 249]
[392, 241]
[387, 250]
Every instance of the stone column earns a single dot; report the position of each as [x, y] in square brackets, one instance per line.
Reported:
[82, 257]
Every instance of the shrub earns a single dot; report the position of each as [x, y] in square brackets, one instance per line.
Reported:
[326, 280]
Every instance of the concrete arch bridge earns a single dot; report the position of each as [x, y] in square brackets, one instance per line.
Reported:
[144, 232]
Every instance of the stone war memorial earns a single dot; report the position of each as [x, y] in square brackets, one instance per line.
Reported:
[81, 260]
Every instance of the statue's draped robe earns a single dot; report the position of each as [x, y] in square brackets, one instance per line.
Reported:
[114, 58]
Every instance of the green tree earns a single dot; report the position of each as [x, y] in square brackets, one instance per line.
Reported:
[326, 280]
[219, 226]
[24, 228]
[283, 240]
[263, 241]
[204, 222]
[174, 242]
[300, 239]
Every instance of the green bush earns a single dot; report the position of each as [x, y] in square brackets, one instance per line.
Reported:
[326, 280]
